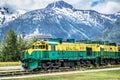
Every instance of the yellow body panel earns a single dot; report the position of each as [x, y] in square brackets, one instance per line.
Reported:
[76, 47]
[49, 48]
[110, 48]
[30, 51]
[96, 48]
[65, 46]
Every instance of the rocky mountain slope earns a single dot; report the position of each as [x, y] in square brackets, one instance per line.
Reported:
[111, 34]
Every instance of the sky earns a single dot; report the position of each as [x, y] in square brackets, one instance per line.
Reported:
[102, 6]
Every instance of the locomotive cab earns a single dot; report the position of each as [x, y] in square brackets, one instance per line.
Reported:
[29, 58]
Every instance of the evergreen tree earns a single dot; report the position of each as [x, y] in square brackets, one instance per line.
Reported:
[12, 46]
[9, 47]
[22, 45]
[1, 55]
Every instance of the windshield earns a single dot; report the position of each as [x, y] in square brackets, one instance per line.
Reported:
[39, 47]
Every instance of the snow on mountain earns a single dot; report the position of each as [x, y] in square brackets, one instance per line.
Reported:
[7, 14]
[61, 20]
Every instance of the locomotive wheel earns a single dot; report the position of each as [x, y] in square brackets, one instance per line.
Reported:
[118, 61]
[45, 66]
[71, 64]
[78, 63]
[108, 61]
[102, 63]
[112, 61]
[66, 64]
[105, 61]
[56, 65]
[82, 63]
[50, 64]
[88, 63]
[93, 62]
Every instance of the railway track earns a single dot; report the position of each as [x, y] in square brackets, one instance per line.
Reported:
[21, 73]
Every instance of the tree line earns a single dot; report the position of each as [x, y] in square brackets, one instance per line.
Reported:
[13, 46]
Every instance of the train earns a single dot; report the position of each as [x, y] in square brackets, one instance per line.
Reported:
[57, 53]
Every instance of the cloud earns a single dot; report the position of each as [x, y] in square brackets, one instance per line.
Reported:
[26, 4]
[103, 6]
[108, 7]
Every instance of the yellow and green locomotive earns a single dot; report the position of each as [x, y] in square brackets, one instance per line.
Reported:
[56, 53]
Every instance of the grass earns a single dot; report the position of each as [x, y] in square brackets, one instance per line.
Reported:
[103, 75]
[9, 63]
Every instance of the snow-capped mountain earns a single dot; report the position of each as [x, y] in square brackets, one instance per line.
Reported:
[8, 14]
[62, 20]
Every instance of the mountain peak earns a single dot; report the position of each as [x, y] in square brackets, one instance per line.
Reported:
[59, 4]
